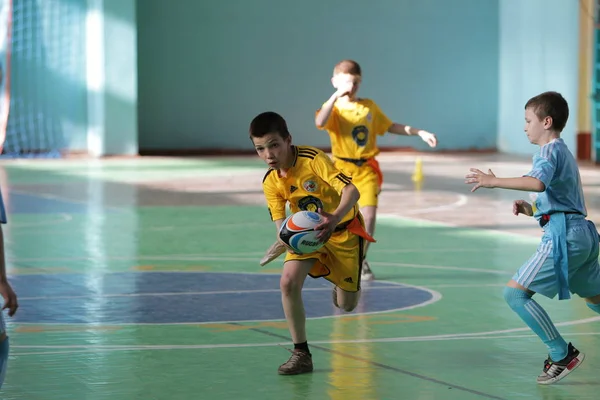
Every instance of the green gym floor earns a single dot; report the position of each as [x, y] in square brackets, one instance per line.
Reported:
[139, 279]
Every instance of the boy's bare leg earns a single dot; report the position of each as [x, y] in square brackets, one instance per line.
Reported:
[369, 214]
[347, 301]
[292, 280]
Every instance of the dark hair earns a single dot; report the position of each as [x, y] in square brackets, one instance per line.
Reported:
[350, 67]
[553, 105]
[268, 122]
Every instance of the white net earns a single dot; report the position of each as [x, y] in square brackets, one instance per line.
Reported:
[47, 78]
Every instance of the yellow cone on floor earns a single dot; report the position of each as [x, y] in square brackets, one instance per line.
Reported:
[417, 176]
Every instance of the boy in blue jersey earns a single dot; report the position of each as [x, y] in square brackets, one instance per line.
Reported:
[566, 261]
[10, 298]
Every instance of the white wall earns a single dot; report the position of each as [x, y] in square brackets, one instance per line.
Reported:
[539, 51]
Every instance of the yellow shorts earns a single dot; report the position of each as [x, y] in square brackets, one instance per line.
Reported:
[365, 178]
[339, 261]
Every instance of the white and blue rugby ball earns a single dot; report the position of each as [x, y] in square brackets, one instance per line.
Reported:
[297, 232]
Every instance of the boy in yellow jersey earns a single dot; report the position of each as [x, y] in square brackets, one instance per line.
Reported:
[307, 179]
[353, 125]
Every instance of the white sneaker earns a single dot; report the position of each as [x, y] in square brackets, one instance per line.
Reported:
[555, 371]
[366, 273]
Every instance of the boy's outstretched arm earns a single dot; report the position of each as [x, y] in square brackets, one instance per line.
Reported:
[401, 129]
[489, 180]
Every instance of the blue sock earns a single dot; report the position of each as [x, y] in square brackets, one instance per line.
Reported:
[594, 307]
[538, 320]
[4, 345]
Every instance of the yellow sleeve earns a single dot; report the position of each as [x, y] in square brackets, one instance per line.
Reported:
[332, 122]
[323, 167]
[275, 201]
[381, 123]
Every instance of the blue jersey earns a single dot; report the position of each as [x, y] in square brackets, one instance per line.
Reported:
[2, 211]
[557, 169]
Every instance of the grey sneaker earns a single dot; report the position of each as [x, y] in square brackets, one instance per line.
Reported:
[366, 274]
[554, 371]
[299, 363]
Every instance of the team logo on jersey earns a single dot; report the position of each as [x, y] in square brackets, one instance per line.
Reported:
[310, 203]
[310, 186]
[369, 117]
[360, 134]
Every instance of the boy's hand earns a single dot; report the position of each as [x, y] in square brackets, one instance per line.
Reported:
[481, 179]
[428, 138]
[10, 298]
[276, 249]
[344, 89]
[522, 207]
[326, 227]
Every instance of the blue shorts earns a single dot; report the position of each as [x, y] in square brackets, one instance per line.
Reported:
[2, 221]
[538, 275]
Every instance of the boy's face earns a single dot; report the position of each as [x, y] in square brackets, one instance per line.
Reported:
[534, 128]
[349, 83]
[273, 150]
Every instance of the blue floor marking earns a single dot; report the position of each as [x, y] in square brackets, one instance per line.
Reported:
[161, 309]
[19, 203]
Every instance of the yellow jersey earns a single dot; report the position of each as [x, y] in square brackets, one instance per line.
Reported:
[311, 183]
[353, 128]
